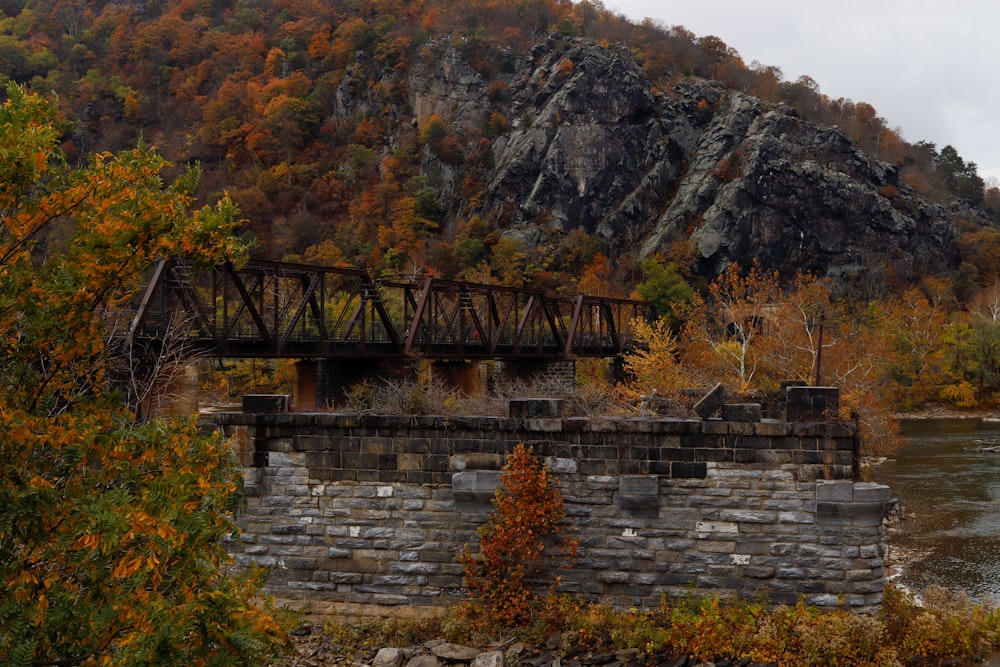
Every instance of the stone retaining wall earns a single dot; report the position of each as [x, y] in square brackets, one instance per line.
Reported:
[359, 513]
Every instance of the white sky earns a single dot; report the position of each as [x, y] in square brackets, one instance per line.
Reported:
[931, 68]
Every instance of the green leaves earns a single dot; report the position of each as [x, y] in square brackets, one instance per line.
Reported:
[111, 532]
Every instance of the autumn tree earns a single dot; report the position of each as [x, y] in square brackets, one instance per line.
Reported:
[653, 367]
[912, 326]
[111, 530]
[724, 334]
[528, 510]
[806, 324]
[971, 347]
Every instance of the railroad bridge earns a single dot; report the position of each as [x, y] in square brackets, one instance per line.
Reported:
[343, 325]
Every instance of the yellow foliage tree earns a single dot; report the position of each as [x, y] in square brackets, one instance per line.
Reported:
[653, 367]
[111, 531]
[725, 336]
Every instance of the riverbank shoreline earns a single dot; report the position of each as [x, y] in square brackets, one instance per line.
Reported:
[949, 412]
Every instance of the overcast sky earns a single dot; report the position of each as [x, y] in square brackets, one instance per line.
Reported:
[931, 68]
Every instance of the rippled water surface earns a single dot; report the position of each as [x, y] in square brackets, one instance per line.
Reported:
[951, 493]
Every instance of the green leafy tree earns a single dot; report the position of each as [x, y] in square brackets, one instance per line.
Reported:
[663, 286]
[961, 177]
[111, 530]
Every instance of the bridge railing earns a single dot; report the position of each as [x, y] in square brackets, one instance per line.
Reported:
[279, 309]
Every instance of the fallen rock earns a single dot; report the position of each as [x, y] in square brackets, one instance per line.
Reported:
[388, 657]
[455, 652]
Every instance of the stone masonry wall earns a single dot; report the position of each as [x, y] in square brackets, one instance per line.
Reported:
[360, 513]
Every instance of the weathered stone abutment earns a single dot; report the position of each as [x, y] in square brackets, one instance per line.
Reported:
[359, 513]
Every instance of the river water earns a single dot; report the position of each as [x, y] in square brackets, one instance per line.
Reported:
[951, 495]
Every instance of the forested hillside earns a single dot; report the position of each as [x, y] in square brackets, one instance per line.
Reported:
[554, 144]
[502, 140]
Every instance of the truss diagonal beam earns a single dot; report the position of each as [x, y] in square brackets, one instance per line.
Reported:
[272, 309]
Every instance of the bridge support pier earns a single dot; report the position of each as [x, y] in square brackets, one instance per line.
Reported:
[469, 377]
[616, 370]
[324, 383]
[533, 371]
[306, 394]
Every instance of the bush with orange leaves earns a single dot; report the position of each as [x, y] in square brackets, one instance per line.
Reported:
[528, 511]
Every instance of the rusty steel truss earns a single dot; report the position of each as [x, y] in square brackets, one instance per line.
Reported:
[275, 309]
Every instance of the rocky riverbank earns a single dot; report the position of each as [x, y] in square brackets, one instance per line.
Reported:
[313, 648]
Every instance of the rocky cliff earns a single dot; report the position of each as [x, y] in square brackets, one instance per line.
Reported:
[701, 172]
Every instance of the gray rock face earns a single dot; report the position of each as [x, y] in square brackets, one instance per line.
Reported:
[722, 175]
[764, 185]
[450, 87]
[585, 138]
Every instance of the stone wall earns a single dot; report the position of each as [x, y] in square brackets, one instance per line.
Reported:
[359, 513]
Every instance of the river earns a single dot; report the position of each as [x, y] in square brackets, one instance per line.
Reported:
[951, 495]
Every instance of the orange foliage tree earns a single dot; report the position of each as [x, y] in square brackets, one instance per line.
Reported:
[111, 531]
[529, 508]
[725, 336]
[751, 334]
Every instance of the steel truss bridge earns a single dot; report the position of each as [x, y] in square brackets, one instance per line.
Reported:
[274, 309]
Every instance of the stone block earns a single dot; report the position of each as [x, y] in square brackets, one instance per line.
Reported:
[851, 514]
[475, 486]
[300, 563]
[605, 424]
[711, 402]
[475, 461]
[638, 490]
[527, 408]
[812, 404]
[286, 459]
[715, 427]
[560, 466]
[841, 491]
[871, 492]
[266, 403]
[613, 577]
[748, 516]
[709, 528]
[796, 517]
[742, 412]
[576, 424]
[688, 470]
[636, 425]
[544, 424]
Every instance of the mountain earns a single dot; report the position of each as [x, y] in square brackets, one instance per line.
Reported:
[716, 175]
[503, 140]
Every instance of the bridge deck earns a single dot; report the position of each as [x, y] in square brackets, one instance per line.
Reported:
[275, 309]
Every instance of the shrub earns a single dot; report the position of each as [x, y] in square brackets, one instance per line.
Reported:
[945, 624]
[962, 395]
[944, 629]
[528, 508]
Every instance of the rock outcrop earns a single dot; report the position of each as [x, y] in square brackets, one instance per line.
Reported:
[700, 171]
